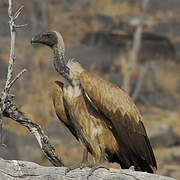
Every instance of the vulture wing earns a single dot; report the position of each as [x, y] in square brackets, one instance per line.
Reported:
[120, 110]
[59, 105]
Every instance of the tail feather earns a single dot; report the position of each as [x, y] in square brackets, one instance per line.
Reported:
[139, 163]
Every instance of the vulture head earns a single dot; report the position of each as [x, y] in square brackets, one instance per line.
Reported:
[52, 39]
[55, 41]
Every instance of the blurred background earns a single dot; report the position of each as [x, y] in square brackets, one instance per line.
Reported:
[99, 34]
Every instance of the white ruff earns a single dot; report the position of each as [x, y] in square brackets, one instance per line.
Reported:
[75, 69]
[72, 92]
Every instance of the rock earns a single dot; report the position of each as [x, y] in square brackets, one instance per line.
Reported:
[20, 170]
[163, 136]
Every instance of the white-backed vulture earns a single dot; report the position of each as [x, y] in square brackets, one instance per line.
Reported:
[114, 107]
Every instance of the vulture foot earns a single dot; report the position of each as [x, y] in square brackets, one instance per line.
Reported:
[81, 166]
[94, 167]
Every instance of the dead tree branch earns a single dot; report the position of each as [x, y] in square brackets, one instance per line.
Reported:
[10, 110]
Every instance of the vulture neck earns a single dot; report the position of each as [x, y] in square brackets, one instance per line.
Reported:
[59, 62]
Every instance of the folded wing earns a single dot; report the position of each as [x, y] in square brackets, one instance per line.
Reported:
[122, 113]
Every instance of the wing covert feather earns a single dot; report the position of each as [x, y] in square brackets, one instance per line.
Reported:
[112, 101]
[124, 116]
[60, 109]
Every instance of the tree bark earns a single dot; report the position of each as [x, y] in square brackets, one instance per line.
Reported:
[19, 170]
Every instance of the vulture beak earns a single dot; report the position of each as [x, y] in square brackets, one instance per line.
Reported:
[35, 39]
[47, 38]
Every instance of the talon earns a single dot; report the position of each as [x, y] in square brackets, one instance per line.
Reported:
[94, 168]
[73, 167]
[69, 169]
[83, 166]
[80, 166]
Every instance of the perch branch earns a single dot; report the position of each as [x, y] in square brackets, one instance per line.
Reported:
[11, 111]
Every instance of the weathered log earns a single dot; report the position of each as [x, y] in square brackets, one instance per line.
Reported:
[19, 170]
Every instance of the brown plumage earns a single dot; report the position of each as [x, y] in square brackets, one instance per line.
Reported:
[90, 125]
[61, 112]
[82, 109]
[93, 102]
[125, 118]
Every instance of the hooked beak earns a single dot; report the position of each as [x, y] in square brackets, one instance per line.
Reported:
[35, 39]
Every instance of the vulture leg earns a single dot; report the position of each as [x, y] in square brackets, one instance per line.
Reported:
[82, 164]
[96, 165]
[85, 157]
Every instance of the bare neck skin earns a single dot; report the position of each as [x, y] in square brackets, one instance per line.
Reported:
[59, 63]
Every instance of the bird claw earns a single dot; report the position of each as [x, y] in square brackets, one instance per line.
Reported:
[81, 166]
[69, 169]
[94, 168]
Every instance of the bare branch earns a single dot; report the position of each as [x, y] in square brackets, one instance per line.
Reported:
[21, 26]
[18, 12]
[14, 113]
[16, 78]
[12, 47]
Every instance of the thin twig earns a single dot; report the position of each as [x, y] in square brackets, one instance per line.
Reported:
[12, 47]
[16, 78]
[20, 26]
[13, 27]
[18, 12]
